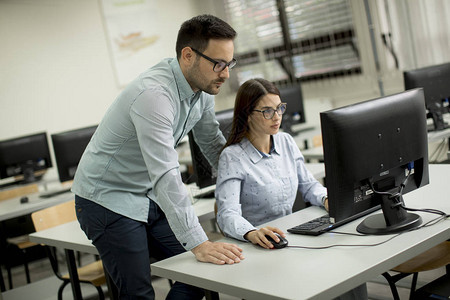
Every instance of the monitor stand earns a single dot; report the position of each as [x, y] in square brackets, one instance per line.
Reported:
[438, 121]
[28, 175]
[393, 219]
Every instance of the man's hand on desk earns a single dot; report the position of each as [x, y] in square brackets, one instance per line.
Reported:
[218, 253]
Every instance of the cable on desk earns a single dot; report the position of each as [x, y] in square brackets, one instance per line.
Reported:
[427, 224]
[345, 245]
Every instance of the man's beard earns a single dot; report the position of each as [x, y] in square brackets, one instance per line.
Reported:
[199, 82]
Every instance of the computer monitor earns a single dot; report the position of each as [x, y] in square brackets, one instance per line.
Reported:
[295, 112]
[435, 80]
[203, 173]
[22, 157]
[369, 149]
[69, 147]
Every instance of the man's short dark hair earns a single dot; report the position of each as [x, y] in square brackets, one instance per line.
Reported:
[197, 32]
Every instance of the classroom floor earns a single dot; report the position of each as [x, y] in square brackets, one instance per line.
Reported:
[44, 284]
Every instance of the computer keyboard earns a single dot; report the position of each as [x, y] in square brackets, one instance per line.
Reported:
[323, 224]
[314, 227]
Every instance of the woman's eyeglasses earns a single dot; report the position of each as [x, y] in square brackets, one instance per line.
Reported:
[218, 66]
[268, 113]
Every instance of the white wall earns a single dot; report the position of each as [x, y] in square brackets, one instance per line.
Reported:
[56, 73]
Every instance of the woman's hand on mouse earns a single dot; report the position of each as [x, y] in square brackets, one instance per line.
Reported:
[258, 236]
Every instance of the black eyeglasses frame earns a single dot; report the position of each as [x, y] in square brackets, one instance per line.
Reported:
[222, 65]
[281, 109]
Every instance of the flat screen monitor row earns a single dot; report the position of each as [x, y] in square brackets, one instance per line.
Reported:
[22, 158]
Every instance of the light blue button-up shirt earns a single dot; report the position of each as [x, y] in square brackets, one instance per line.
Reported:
[252, 188]
[132, 157]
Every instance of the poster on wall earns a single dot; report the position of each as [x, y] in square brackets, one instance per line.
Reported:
[132, 36]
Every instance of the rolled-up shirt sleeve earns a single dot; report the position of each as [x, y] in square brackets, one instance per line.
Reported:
[152, 116]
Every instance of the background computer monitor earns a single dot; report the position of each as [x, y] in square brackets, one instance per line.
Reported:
[68, 147]
[370, 146]
[295, 112]
[435, 80]
[203, 173]
[21, 157]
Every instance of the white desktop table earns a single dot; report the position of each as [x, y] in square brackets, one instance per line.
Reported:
[436, 136]
[292, 273]
[12, 208]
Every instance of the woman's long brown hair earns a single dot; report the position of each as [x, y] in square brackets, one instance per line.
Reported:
[247, 98]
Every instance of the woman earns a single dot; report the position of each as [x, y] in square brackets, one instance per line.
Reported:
[260, 169]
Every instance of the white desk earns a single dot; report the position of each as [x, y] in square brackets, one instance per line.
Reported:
[292, 273]
[436, 136]
[12, 208]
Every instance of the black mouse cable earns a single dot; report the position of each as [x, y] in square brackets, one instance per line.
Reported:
[427, 224]
[345, 245]
[427, 210]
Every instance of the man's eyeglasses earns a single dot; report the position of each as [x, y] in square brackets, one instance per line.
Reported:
[268, 113]
[218, 66]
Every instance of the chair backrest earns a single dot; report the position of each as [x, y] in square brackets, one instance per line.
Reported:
[53, 216]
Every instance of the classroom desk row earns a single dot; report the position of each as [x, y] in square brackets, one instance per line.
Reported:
[294, 273]
[12, 208]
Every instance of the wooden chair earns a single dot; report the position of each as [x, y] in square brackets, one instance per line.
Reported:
[62, 213]
[436, 257]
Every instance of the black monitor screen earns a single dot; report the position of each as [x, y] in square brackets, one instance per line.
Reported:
[203, 173]
[295, 112]
[370, 149]
[69, 147]
[435, 80]
[21, 157]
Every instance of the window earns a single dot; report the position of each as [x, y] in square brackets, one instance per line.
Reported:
[290, 40]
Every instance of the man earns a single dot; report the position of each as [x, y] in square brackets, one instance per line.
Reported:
[130, 199]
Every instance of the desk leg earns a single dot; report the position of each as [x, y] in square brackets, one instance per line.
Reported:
[211, 295]
[73, 273]
[2, 282]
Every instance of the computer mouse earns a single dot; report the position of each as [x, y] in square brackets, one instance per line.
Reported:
[281, 244]
[24, 199]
